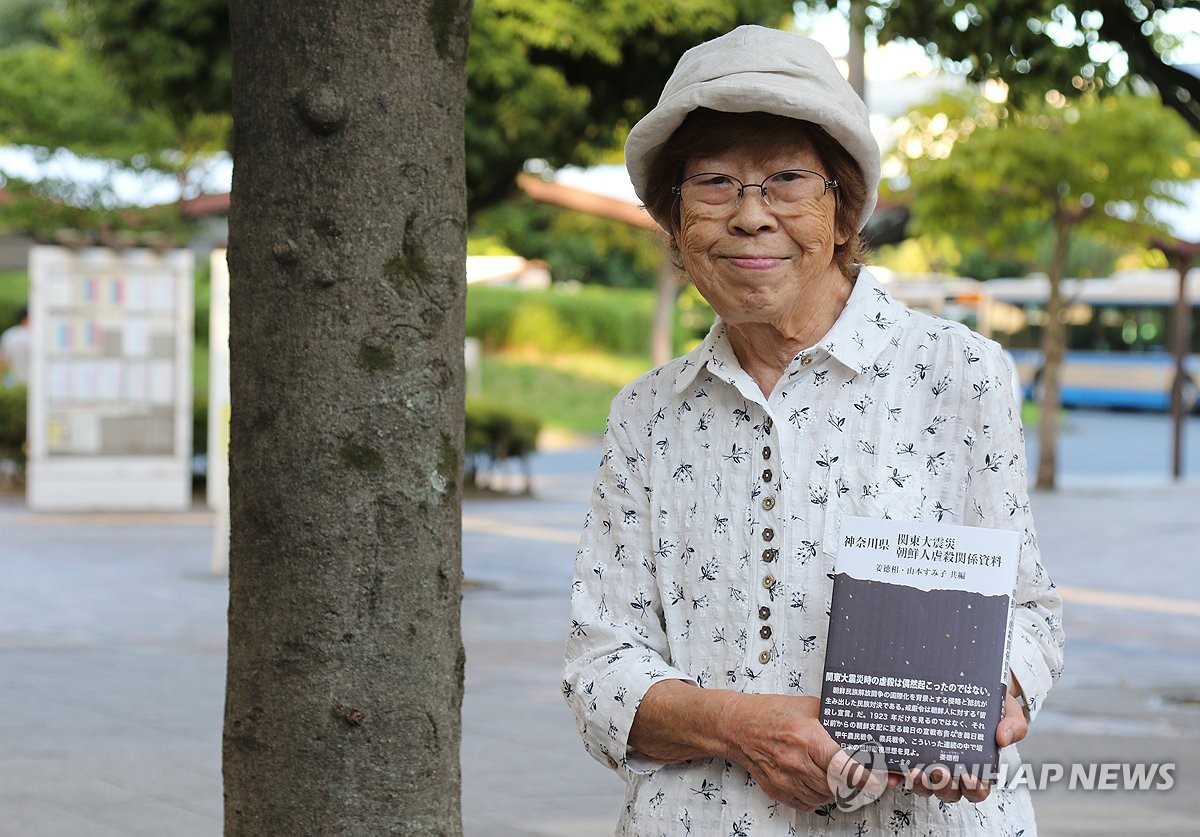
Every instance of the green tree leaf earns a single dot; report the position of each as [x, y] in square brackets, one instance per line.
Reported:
[1033, 45]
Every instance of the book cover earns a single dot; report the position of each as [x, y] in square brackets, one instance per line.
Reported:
[916, 661]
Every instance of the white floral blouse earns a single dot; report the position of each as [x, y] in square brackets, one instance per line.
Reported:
[707, 550]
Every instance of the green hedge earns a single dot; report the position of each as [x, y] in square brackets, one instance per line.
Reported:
[14, 295]
[12, 424]
[560, 319]
[615, 320]
[496, 434]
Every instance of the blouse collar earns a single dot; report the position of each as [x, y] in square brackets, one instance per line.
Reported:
[856, 340]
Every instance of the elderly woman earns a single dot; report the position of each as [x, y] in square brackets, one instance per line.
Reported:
[703, 578]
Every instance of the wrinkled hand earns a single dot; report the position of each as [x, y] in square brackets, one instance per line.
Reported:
[938, 782]
[1013, 726]
[780, 742]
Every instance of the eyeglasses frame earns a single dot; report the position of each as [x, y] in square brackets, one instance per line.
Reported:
[677, 189]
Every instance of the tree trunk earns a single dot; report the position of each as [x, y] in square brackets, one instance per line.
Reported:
[1053, 349]
[662, 331]
[1181, 315]
[347, 250]
[857, 51]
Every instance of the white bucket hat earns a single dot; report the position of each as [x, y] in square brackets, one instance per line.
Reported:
[754, 69]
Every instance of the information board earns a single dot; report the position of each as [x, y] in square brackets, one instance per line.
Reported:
[110, 394]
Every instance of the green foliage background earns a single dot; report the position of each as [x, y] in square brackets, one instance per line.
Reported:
[578, 247]
[144, 85]
[992, 174]
[576, 319]
[14, 295]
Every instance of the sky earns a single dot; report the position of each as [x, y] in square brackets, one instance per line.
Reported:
[129, 188]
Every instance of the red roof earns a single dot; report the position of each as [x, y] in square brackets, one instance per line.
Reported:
[205, 205]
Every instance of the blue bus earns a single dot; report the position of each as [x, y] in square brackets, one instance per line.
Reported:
[1119, 332]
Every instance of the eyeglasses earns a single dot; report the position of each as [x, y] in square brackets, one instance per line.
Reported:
[784, 190]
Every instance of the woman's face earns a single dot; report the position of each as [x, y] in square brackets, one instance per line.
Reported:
[756, 263]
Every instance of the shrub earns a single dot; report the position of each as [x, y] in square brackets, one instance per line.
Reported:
[12, 424]
[536, 325]
[199, 423]
[608, 319]
[570, 318]
[495, 435]
[14, 295]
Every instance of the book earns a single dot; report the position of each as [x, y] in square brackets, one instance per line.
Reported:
[916, 663]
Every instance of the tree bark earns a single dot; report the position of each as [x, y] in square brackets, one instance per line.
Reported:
[857, 51]
[662, 328]
[1053, 349]
[1181, 258]
[347, 252]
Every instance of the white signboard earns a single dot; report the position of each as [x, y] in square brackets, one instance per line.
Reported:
[110, 391]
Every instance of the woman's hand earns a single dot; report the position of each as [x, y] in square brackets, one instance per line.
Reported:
[776, 738]
[780, 742]
[938, 782]
[1013, 726]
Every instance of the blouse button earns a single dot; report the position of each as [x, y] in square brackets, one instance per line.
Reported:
[768, 581]
[764, 657]
[806, 360]
[768, 534]
[766, 452]
[767, 475]
[769, 555]
[612, 762]
[764, 612]
[768, 503]
[765, 632]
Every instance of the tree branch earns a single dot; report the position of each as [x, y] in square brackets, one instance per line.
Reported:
[1178, 89]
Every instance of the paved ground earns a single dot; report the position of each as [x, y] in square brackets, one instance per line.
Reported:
[112, 656]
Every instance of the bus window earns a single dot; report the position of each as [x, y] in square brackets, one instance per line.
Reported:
[1108, 332]
[1078, 317]
[1151, 332]
[1018, 326]
[1120, 336]
[1148, 331]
